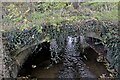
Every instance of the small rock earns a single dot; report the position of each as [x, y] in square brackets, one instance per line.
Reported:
[34, 66]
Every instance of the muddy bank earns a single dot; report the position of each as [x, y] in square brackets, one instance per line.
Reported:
[97, 68]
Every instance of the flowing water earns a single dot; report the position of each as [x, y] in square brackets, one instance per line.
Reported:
[72, 65]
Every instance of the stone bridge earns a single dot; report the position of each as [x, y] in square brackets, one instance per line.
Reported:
[20, 56]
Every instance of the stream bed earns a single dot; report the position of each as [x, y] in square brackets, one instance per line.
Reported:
[72, 66]
[61, 71]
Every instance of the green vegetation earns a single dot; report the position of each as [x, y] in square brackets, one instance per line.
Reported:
[57, 13]
[48, 20]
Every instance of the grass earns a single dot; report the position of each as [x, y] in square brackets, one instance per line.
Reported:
[107, 15]
[61, 15]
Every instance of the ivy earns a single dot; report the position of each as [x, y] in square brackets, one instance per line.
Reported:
[50, 20]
